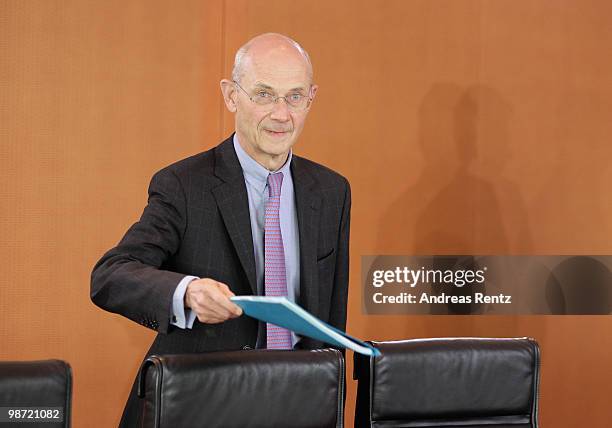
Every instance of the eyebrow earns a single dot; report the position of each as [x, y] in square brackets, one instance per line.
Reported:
[264, 86]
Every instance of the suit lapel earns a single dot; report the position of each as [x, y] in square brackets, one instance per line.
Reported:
[233, 202]
[308, 204]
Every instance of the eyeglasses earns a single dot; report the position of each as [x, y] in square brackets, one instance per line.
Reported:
[295, 100]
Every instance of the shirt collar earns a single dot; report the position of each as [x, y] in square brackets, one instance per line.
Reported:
[255, 173]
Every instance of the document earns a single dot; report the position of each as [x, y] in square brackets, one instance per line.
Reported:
[286, 314]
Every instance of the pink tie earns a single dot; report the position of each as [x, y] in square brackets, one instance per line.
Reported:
[275, 276]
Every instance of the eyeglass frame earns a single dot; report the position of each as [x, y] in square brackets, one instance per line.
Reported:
[276, 98]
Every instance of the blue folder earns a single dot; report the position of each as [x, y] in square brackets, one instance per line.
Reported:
[286, 314]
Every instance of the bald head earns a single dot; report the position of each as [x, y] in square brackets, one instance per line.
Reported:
[270, 94]
[270, 46]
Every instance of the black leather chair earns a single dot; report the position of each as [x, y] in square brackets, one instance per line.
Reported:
[36, 385]
[254, 388]
[455, 382]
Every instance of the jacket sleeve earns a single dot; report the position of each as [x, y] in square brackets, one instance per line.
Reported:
[341, 276]
[129, 279]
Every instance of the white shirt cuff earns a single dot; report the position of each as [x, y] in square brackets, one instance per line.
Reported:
[181, 317]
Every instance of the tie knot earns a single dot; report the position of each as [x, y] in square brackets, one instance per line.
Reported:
[275, 181]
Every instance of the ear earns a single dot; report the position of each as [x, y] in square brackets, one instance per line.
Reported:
[313, 92]
[228, 89]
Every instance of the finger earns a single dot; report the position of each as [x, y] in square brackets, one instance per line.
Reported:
[204, 303]
[225, 289]
[213, 307]
[232, 309]
[235, 309]
[210, 300]
[210, 314]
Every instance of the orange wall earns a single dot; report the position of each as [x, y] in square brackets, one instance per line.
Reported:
[478, 127]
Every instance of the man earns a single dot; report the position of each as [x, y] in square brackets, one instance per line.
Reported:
[246, 217]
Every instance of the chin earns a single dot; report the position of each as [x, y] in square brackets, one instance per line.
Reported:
[277, 151]
[277, 147]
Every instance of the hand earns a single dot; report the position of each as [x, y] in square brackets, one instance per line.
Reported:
[210, 300]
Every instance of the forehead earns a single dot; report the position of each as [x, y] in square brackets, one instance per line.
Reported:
[280, 69]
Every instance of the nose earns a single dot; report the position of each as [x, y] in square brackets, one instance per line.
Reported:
[280, 111]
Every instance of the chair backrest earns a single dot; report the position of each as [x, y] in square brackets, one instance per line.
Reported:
[255, 388]
[43, 389]
[452, 382]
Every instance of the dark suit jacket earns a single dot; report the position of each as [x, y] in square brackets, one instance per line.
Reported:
[197, 222]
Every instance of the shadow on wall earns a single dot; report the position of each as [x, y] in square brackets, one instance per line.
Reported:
[461, 203]
[579, 285]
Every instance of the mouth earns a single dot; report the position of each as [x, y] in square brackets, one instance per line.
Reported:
[276, 134]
